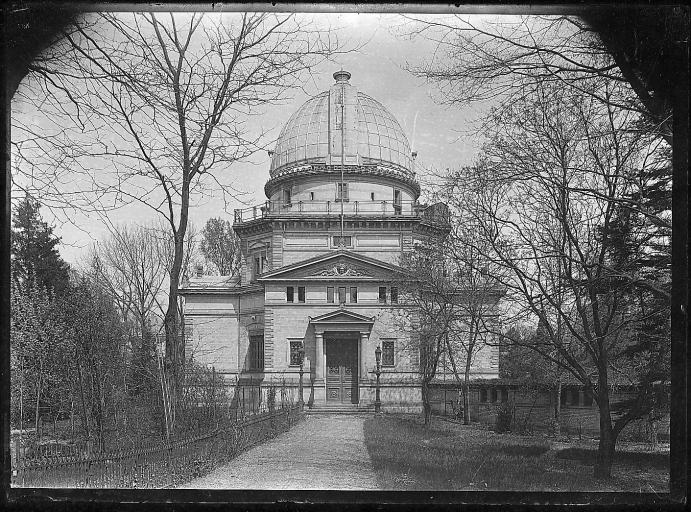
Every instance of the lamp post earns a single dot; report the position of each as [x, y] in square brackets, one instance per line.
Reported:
[301, 352]
[377, 371]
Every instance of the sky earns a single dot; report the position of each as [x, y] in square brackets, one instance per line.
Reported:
[441, 134]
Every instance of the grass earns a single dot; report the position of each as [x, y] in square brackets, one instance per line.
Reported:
[448, 456]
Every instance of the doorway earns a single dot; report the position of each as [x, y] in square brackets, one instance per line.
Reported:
[342, 368]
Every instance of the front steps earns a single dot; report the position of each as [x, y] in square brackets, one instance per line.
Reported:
[339, 408]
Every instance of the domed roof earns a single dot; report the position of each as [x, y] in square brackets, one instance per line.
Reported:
[342, 117]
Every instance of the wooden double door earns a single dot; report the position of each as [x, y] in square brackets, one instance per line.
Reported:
[342, 369]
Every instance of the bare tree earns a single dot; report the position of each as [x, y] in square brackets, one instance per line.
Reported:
[153, 109]
[549, 189]
[130, 266]
[479, 59]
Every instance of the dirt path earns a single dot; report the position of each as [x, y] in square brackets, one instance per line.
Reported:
[322, 452]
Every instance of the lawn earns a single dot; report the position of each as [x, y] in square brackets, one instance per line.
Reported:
[450, 456]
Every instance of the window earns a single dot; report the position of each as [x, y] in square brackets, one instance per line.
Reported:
[260, 264]
[345, 241]
[290, 294]
[286, 197]
[504, 394]
[372, 196]
[257, 352]
[342, 192]
[397, 201]
[295, 353]
[353, 294]
[575, 397]
[387, 353]
[494, 395]
[483, 395]
[330, 294]
[311, 196]
[394, 295]
[301, 294]
[382, 295]
[341, 294]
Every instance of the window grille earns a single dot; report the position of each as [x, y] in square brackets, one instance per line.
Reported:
[353, 294]
[394, 295]
[301, 294]
[330, 294]
[387, 354]
[341, 294]
[295, 356]
[290, 294]
[342, 192]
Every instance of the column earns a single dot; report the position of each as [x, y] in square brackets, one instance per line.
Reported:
[320, 355]
[364, 347]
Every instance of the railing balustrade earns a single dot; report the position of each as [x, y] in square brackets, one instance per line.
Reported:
[436, 212]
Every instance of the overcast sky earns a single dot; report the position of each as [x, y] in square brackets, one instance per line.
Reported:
[437, 132]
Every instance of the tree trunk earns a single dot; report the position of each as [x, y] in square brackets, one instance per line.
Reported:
[426, 403]
[607, 444]
[85, 416]
[466, 386]
[557, 408]
[37, 418]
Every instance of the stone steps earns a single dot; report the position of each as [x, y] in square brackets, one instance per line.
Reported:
[340, 409]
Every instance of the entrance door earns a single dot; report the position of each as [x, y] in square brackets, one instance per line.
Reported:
[341, 370]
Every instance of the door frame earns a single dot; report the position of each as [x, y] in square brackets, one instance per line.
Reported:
[352, 338]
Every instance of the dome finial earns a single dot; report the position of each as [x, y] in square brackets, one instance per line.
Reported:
[341, 76]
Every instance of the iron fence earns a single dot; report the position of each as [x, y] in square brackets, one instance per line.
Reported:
[155, 465]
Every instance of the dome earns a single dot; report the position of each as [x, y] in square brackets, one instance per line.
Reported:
[342, 126]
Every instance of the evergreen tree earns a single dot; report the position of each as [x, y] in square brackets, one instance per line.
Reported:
[34, 250]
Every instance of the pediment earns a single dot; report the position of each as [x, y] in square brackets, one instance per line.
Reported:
[340, 265]
[342, 316]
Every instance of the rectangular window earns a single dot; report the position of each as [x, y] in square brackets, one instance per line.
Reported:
[301, 294]
[483, 395]
[504, 394]
[295, 353]
[394, 295]
[353, 294]
[311, 196]
[371, 196]
[397, 201]
[290, 294]
[387, 353]
[587, 398]
[342, 192]
[257, 352]
[286, 197]
[382, 295]
[562, 397]
[330, 294]
[575, 397]
[341, 294]
[493, 395]
[257, 267]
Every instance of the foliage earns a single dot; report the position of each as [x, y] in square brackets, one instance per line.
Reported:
[505, 417]
[34, 255]
[221, 246]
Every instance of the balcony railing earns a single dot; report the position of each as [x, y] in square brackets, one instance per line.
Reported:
[438, 212]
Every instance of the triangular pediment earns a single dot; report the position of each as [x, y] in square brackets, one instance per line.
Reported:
[342, 316]
[339, 265]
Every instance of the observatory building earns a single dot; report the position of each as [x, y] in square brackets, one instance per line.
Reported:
[321, 262]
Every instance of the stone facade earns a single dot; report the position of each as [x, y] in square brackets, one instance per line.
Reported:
[320, 262]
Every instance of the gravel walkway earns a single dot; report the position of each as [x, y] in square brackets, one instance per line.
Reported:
[322, 452]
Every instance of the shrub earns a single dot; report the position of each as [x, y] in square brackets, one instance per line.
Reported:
[504, 421]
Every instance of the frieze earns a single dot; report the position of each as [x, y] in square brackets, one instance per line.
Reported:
[342, 270]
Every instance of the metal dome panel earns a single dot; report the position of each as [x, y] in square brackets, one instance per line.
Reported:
[342, 117]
